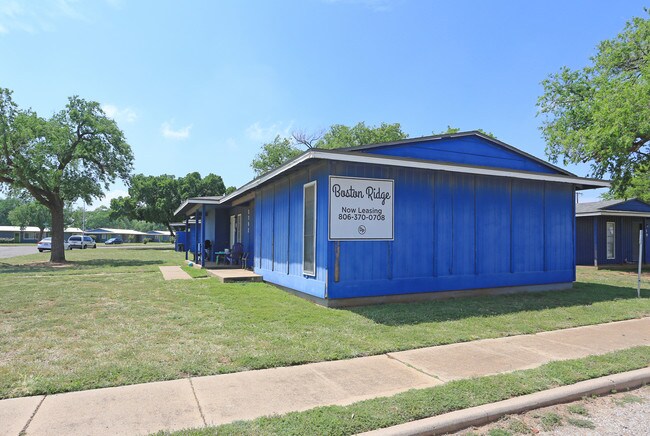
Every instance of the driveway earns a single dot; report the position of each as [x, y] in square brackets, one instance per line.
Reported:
[17, 250]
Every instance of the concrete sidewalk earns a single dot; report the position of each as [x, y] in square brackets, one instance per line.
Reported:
[174, 273]
[213, 400]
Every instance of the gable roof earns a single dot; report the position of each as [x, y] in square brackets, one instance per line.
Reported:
[631, 207]
[410, 147]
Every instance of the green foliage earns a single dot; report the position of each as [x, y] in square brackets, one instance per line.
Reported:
[451, 130]
[628, 399]
[31, 214]
[154, 199]
[6, 206]
[281, 150]
[340, 136]
[75, 154]
[600, 114]
[274, 154]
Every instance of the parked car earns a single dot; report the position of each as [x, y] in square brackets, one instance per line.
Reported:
[114, 241]
[46, 244]
[78, 241]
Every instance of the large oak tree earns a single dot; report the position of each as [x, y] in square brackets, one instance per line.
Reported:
[75, 154]
[600, 114]
[155, 198]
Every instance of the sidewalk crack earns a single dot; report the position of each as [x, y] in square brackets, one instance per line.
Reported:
[390, 356]
[205, 424]
[29, 421]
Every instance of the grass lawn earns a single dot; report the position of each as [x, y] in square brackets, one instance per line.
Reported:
[196, 273]
[423, 403]
[110, 319]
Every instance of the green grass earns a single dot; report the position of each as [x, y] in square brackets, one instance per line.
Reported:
[628, 399]
[422, 403]
[109, 319]
[581, 423]
[577, 409]
[196, 273]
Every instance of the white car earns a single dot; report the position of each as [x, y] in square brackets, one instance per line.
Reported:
[78, 241]
[46, 244]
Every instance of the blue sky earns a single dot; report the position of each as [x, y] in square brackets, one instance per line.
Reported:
[200, 85]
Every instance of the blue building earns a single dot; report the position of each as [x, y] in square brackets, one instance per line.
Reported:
[403, 221]
[608, 232]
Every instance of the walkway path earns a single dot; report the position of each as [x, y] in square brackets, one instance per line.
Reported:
[174, 273]
[213, 400]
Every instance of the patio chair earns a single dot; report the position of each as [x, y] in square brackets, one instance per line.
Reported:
[236, 253]
[244, 260]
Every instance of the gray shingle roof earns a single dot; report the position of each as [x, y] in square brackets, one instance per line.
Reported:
[596, 206]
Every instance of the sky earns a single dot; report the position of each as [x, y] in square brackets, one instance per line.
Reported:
[201, 85]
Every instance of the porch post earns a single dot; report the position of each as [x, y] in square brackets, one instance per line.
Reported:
[203, 223]
[186, 246]
[196, 234]
[596, 241]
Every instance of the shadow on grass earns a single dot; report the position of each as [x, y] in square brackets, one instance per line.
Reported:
[43, 267]
[583, 294]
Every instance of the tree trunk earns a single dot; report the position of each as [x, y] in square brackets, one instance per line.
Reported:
[40, 233]
[58, 251]
[171, 230]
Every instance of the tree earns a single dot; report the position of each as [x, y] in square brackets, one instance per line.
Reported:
[6, 206]
[281, 150]
[452, 130]
[600, 114]
[31, 214]
[274, 154]
[155, 198]
[77, 153]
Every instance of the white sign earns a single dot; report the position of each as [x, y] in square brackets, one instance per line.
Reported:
[360, 209]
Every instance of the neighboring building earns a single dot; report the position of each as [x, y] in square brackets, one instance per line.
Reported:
[31, 233]
[103, 234]
[402, 220]
[159, 235]
[18, 234]
[608, 232]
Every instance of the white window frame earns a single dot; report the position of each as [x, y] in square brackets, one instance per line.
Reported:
[238, 226]
[304, 189]
[613, 240]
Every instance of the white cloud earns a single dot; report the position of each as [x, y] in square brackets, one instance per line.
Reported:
[257, 132]
[38, 16]
[126, 114]
[231, 144]
[169, 133]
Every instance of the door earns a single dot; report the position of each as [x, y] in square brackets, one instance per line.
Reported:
[636, 227]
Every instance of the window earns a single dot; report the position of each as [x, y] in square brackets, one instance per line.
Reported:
[611, 240]
[309, 229]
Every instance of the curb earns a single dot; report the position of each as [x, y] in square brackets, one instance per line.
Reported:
[480, 415]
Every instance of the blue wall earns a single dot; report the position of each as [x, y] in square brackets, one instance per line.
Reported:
[470, 150]
[456, 231]
[278, 231]
[625, 242]
[452, 232]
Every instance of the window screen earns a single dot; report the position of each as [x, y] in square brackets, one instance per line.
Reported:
[309, 229]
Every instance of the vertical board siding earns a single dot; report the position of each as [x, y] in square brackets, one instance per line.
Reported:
[296, 222]
[527, 226]
[443, 223]
[413, 257]
[585, 240]
[464, 214]
[266, 224]
[493, 225]
[278, 234]
[559, 227]
[280, 226]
